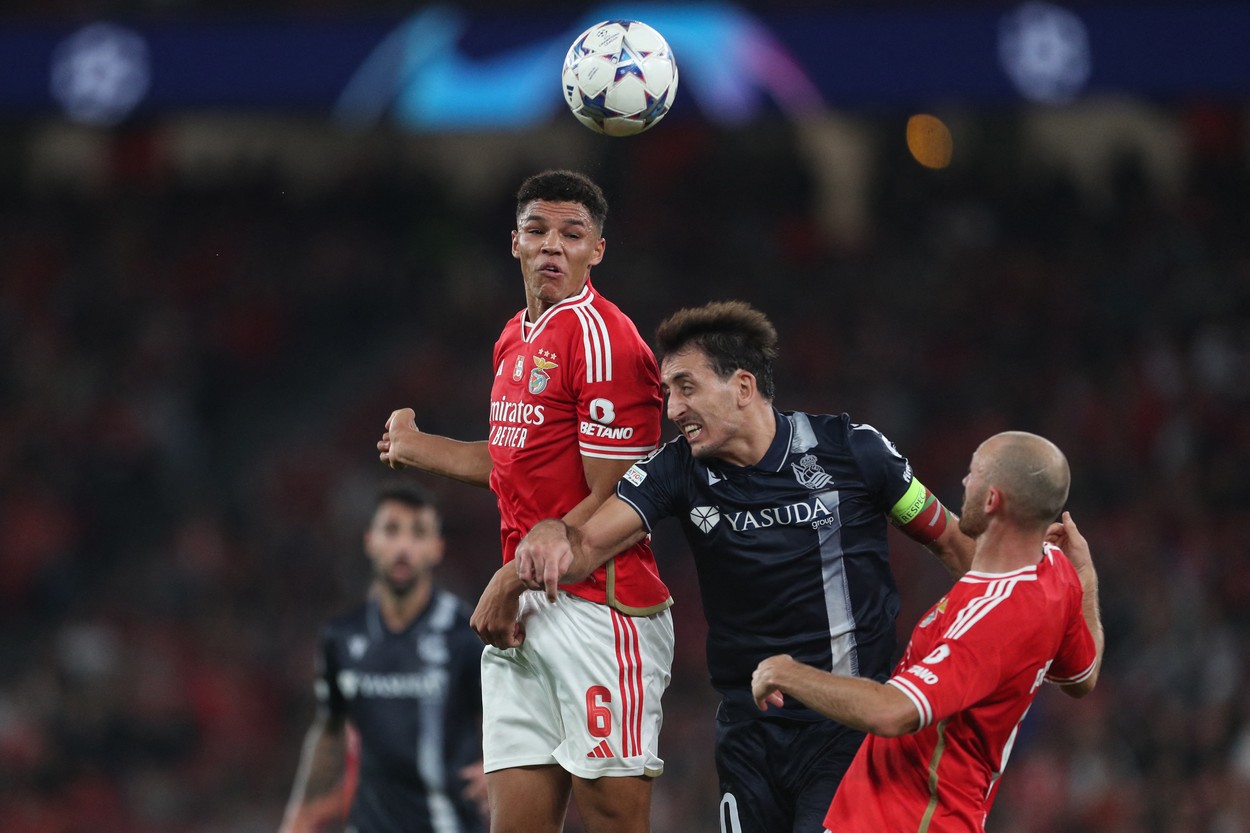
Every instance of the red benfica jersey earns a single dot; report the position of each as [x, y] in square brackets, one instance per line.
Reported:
[972, 667]
[578, 382]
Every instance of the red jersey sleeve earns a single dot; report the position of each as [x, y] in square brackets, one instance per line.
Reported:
[615, 382]
[1077, 654]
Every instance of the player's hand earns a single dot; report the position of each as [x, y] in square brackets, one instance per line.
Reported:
[496, 620]
[1065, 535]
[766, 683]
[475, 788]
[543, 556]
[400, 428]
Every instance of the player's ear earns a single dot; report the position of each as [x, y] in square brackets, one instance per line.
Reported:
[600, 247]
[516, 244]
[745, 386]
[993, 500]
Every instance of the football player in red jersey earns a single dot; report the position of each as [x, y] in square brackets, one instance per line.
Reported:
[942, 727]
[572, 691]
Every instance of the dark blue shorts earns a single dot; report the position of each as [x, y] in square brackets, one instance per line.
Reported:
[778, 776]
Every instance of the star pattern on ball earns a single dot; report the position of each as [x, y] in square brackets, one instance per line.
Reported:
[629, 62]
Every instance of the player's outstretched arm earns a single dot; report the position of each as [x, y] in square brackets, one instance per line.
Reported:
[953, 548]
[555, 553]
[317, 795]
[924, 519]
[403, 445]
[862, 704]
[1067, 537]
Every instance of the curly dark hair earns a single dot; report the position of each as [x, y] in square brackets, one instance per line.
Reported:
[564, 186]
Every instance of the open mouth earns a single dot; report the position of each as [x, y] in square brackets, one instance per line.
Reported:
[691, 430]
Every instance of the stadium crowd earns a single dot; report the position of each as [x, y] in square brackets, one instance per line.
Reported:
[192, 377]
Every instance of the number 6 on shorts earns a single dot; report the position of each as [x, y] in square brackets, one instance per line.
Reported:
[598, 716]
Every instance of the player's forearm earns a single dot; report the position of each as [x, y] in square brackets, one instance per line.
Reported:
[318, 778]
[954, 549]
[468, 462]
[861, 704]
[1093, 621]
[923, 518]
[587, 556]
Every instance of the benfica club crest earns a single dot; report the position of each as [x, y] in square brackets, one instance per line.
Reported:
[539, 377]
[940, 607]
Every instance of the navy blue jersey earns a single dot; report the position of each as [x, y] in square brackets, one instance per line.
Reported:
[415, 697]
[791, 552]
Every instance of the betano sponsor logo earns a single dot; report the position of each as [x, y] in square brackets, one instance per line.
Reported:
[925, 675]
[621, 432]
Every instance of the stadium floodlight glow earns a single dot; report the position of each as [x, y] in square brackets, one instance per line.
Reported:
[1045, 51]
[101, 73]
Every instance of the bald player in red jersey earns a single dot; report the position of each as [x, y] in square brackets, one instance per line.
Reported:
[942, 727]
[571, 691]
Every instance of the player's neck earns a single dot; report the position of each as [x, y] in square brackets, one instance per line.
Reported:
[754, 440]
[398, 612]
[535, 307]
[1003, 548]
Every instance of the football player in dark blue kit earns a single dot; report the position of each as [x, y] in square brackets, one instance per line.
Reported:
[786, 514]
[403, 671]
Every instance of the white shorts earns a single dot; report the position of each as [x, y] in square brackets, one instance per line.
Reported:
[583, 691]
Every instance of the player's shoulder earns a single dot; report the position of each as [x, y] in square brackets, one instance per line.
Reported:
[674, 452]
[820, 432]
[616, 320]
[1055, 568]
[512, 328]
[447, 611]
[343, 624]
[830, 425]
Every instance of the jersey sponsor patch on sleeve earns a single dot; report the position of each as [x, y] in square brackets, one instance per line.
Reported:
[635, 475]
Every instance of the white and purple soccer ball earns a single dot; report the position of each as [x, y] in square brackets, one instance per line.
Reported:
[619, 77]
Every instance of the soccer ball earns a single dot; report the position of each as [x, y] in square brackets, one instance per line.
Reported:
[619, 77]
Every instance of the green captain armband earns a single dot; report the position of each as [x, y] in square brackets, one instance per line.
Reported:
[920, 514]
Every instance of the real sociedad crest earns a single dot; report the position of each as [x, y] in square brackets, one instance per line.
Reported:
[539, 377]
[809, 473]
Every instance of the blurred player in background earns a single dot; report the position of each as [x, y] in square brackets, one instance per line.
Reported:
[943, 726]
[403, 672]
[572, 691]
[786, 514]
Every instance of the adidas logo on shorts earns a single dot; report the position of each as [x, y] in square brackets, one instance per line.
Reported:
[601, 751]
